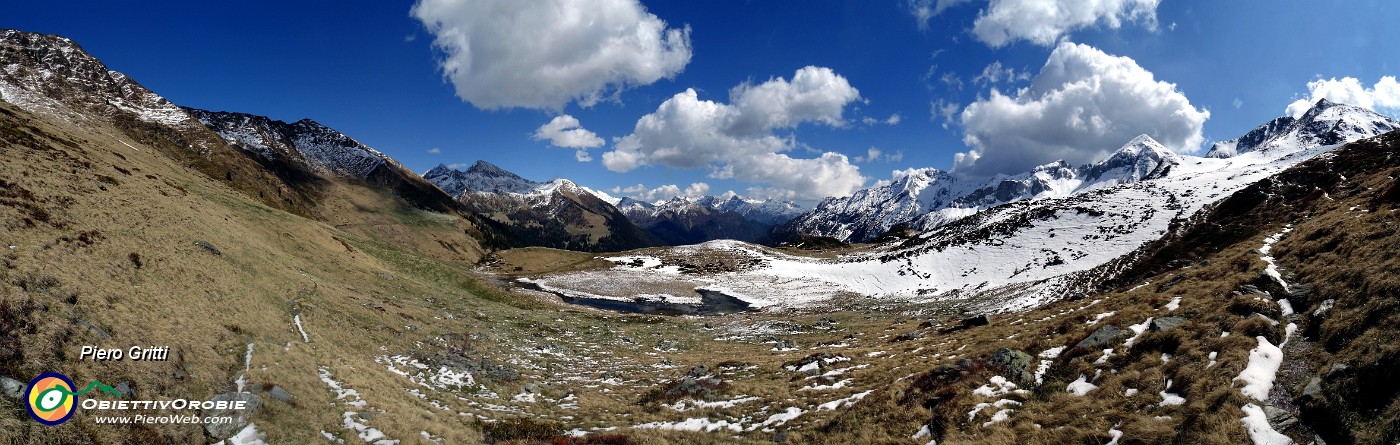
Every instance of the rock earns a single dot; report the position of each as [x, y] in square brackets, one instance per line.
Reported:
[210, 248]
[1015, 364]
[1313, 388]
[95, 329]
[1337, 370]
[279, 394]
[1165, 323]
[928, 324]
[911, 335]
[124, 389]
[979, 320]
[1170, 282]
[386, 276]
[698, 371]
[1105, 336]
[1250, 289]
[532, 388]
[12, 388]
[1281, 419]
[221, 431]
[666, 345]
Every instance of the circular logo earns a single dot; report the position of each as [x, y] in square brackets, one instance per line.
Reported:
[51, 399]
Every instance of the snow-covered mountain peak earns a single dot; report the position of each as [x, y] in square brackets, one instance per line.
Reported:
[482, 177]
[1141, 159]
[1326, 123]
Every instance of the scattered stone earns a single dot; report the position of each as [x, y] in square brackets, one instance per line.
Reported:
[1313, 388]
[387, 276]
[698, 371]
[1250, 289]
[979, 320]
[95, 329]
[1337, 370]
[1165, 323]
[1281, 420]
[124, 389]
[11, 388]
[666, 345]
[210, 248]
[1170, 282]
[911, 335]
[221, 431]
[1015, 364]
[929, 323]
[1106, 335]
[279, 394]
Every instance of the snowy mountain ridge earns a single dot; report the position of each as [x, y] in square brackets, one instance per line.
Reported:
[52, 75]
[1015, 255]
[927, 198]
[1326, 123]
[322, 148]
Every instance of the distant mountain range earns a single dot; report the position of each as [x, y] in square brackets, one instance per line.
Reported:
[925, 199]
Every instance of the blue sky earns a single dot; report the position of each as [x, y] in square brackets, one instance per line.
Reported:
[371, 69]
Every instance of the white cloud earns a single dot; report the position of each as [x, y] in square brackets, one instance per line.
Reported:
[545, 54]
[924, 10]
[738, 140]
[873, 154]
[565, 131]
[1237, 103]
[582, 155]
[663, 193]
[994, 74]
[943, 108]
[457, 166]
[894, 119]
[1043, 22]
[435, 151]
[1081, 106]
[1383, 96]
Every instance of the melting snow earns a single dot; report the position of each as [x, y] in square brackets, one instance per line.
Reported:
[1258, 375]
[1260, 432]
[1081, 386]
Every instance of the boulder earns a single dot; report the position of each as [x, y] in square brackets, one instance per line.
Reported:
[1015, 365]
[1165, 323]
[221, 431]
[1100, 339]
[12, 388]
[279, 394]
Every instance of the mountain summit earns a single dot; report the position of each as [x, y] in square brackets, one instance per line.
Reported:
[1326, 123]
[558, 213]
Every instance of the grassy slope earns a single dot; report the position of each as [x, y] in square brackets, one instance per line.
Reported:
[377, 279]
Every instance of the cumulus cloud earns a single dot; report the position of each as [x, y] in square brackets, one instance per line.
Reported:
[1384, 96]
[1043, 22]
[663, 193]
[565, 131]
[546, 54]
[1080, 107]
[739, 139]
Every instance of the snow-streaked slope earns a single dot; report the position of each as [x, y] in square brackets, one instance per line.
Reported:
[1026, 244]
[52, 76]
[925, 199]
[322, 148]
[1016, 255]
